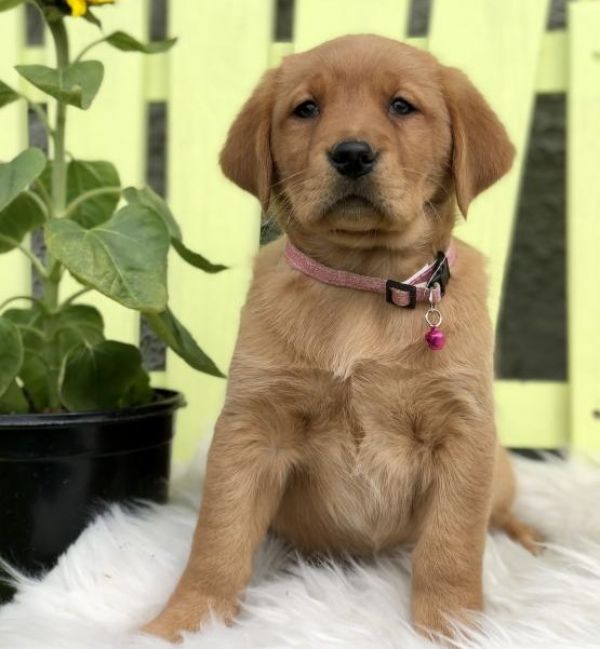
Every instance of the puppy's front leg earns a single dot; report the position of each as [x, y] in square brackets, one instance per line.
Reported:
[447, 560]
[244, 482]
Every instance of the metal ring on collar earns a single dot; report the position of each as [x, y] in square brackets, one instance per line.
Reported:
[430, 314]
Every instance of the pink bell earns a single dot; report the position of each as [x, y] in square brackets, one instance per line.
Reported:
[435, 339]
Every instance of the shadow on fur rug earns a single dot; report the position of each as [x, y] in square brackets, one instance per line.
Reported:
[124, 566]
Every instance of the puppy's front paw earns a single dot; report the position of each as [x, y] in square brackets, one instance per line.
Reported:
[189, 613]
[163, 628]
[431, 623]
[436, 612]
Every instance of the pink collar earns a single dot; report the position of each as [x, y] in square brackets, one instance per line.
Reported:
[426, 285]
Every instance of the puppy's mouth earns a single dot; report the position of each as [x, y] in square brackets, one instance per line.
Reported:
[351, 203]
[351, 209]
[359, 233]
[354, 215]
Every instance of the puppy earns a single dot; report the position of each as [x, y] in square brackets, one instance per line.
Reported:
[342, 431]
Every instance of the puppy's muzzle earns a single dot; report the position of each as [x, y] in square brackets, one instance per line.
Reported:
[353, 158]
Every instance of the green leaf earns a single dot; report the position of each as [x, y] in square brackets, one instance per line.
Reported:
[127, 43]
[17, 175]
[82, 317]
[35, 375]
[124, 258]
[9, 4]
[77, 84]
[146, 196]
[13, 401]
[149, 198]
[36, 372]
[7, 95]
[44, 179]
[180, 340]
[48, 339]
[100, 377]
[196, 259]
[91, 18]
[84, 176]
[11, 353]
[17, 219]
[139, 392]
[75, 325]
[30, 323]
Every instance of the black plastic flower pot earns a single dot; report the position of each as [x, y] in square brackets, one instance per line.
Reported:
[58, 470]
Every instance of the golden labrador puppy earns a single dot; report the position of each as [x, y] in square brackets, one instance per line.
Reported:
[343, 429]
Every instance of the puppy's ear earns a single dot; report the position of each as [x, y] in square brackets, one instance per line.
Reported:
[246, 157]
[481, 150]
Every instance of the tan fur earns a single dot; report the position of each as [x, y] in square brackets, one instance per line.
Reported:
[341, 432]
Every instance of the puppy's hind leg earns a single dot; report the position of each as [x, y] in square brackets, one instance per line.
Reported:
[502, 517]
[520, 532]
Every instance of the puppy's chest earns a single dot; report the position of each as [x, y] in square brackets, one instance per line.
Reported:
[375, 422]
[369, 460]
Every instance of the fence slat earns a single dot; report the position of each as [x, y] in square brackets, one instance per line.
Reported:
[533, 414]
[320, 20]
[15, 274]
[223, 49]
[114, 129]
[552, 73]
[584, 225]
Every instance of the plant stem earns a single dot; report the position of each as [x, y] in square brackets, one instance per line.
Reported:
[37, 264]
[41, 269]
[59, 169]
[39, 185]
[92, 193]
[59, 200]
[41, 204]
[39, 111]
[32, 330]
[75, 295]
[15, 298]
[59, 185]
[87, 48]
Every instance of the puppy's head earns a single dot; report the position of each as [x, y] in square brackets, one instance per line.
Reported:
[366, 141]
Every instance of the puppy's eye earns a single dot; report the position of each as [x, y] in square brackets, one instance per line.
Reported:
[306, 109]
[399, 106]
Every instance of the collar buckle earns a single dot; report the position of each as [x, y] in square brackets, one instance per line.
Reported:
[441, 273]
[400, 286]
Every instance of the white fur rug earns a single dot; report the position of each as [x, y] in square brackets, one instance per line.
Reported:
[124, 565]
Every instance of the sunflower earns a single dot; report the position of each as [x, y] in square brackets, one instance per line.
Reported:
[80, 7]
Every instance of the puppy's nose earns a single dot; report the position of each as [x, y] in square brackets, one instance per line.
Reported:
[353, 158]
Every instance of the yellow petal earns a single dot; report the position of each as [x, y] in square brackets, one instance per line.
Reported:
[78, 7]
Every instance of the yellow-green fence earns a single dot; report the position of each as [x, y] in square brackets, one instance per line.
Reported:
[223, 48]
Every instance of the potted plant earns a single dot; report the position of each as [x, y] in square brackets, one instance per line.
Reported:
[79, 422]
